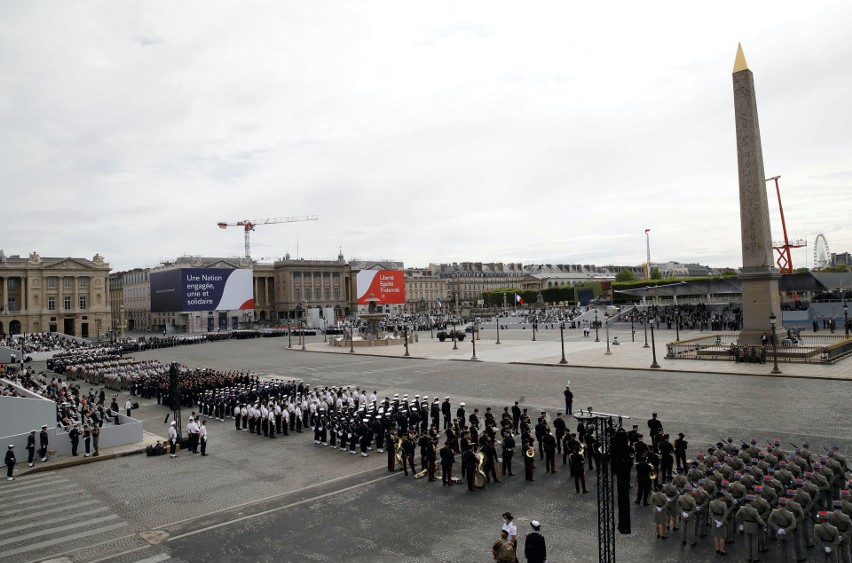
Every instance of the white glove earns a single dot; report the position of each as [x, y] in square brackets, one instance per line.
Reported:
[827, 549]
[736, 502]
[659, 508]
[740, 528]
[781, 531]
[764, 529]
[684, 515]
[718, 523]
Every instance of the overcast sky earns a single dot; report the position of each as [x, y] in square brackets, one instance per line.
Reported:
[545, 132]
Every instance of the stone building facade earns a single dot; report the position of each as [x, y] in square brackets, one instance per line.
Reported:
[43, 294]
[302, 284]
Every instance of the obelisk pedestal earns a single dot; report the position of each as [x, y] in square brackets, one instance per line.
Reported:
[759, 276]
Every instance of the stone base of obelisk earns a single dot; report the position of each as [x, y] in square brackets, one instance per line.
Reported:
[760, 300]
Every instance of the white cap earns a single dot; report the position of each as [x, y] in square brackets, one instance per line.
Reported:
[173, 423]
[536, 525]
[11, 446]
[461, 404]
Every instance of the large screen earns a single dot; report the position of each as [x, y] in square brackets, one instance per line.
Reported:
[201, 289]
[388, 286]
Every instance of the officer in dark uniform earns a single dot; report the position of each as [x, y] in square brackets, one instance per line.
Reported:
[446, 410]
[508, 452]
[549, 444]
[469, 461]
[448, 458]
[680, 447]
[42, 443]
[31, 448]
[516, 416]
[578, 470]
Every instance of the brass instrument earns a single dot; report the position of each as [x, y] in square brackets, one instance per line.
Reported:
[530, 452]
[397, 451]
[652, 474]
[479, 477]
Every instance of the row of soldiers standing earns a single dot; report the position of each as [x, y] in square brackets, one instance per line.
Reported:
[796, 497]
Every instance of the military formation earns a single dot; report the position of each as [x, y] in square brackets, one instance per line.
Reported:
[758, 491]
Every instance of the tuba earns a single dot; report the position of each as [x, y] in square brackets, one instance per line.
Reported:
[479, 477]
[652, 474]
[397, 451]
[530, 452]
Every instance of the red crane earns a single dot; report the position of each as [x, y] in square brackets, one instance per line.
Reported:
[248, 226]
[785, 259]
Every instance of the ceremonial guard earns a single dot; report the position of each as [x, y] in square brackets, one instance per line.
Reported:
[508, 452]
[42, 443]
[750, 523]
[448, 458]
[10, 462]
[31, 447]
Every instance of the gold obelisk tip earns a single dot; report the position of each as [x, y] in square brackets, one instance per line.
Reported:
[740, 62]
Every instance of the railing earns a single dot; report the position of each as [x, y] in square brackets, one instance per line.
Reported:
[816, 349]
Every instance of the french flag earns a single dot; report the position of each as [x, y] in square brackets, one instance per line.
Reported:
[518, 299]
[438, 302]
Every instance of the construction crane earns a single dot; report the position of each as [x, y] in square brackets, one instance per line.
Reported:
[248, 226]
[785, 259]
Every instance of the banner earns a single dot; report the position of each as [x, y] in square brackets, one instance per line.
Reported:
[388, 286]
[202, 289]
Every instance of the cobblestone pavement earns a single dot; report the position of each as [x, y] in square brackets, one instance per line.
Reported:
[255, 499]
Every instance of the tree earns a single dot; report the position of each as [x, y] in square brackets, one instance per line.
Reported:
[728, 273]
[655, 274]
[625, 275]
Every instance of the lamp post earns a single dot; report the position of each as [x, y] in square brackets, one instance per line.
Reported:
[775, 370]
[325, 330]
[645, 327]
[534, 325]
[405, 337]
[654, 363]
[596, 326]
[473, 342]
[632, 330]
[289, 334]
[351, 337]
[846, 318]
[304, 325]
[677, 323]
[562, 340]
[606, 323]
[455, 344]
[497, 319]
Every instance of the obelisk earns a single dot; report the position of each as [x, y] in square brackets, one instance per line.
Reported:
[759, 276]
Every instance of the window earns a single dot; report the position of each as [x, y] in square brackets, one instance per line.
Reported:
[51, 303]
[51, 282]
[66, 283]
[67, 302]
[317, 294]
[327, 294]
[336, 293]
[83, 300]
[84, 282]
[298, 294]
[13, 304]
[10, 283]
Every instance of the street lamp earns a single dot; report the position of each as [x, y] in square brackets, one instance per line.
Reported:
[497, 319]
[473, 342]
[405, 337]
[351, 337]
[455, 345]
[325, 330]
[846, 318]
[562, 339]
[606, 323]
[289, 334]
[534, 325]
[654, 364]
[645, 327]
[775, 370]
[303, 324]
[632, 331]
[596, 326]
[677, 322]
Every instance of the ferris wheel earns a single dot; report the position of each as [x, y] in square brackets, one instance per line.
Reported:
[821, 252]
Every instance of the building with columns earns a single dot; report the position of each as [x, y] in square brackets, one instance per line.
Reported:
[69, 295]
[424, 290]
[302, 284]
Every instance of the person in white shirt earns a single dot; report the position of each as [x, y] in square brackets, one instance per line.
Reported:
[202, 431]
[128, 406]
[511, 529]
[192, 429]
[173, 437]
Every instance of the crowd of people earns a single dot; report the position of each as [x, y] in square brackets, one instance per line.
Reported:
[756, 489]
[42, 342]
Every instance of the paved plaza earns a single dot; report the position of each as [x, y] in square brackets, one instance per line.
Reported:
[255, 499]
